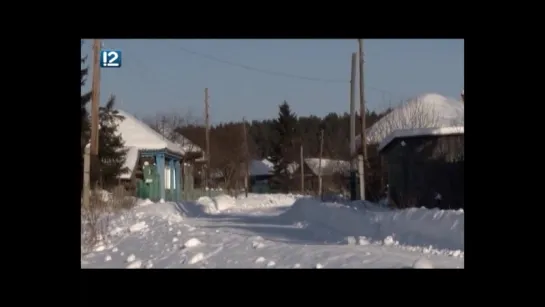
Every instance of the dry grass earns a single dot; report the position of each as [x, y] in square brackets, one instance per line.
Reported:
[95, 219]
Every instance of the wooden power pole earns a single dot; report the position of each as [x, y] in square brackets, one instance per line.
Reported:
[95, 99]
[86, 177]
[320, 193]
[95, 105]
[246, 157]
[302, 167]
[353, 128]
[207, 136]
[362, 157]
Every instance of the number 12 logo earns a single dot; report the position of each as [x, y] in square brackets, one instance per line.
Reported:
[110, 58]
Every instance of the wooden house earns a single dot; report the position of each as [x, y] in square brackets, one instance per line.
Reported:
[425, 167]
[154, 163]
[334, 173]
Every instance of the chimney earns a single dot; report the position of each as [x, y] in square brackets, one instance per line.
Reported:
[462, 95]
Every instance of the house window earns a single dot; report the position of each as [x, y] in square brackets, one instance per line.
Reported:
[167, 177]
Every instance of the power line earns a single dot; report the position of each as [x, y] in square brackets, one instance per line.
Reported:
[148, 72]
[264, 71]
[278, 73]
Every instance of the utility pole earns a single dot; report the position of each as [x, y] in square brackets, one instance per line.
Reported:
[362, 158]
[95, 104]
[320, 193]
[86, 177]
[207, 138]
[353, 128]
[246, 157]
[302, 167]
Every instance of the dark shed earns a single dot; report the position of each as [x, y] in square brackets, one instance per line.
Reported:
[425, 167]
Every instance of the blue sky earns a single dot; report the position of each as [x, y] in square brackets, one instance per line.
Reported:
[160, 76]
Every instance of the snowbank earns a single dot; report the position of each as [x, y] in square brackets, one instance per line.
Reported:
[216, 204]
[224, 203]
[255, 201]
[440, 229]
[168, 210]
[176, 235]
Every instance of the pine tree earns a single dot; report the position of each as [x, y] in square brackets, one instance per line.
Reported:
[111, 151]
[85, 98]
[282, 147]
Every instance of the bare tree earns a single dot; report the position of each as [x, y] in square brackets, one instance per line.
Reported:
[168, 124]
[228, 152]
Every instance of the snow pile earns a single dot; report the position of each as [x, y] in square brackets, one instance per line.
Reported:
[103, 195]
[131, 221]
[143, 202]
[440, 229]
[226, 203]
[128, 221]
[168, 211]
[216, 204]
[426, 111]
[181, 235]
[422, 263]
[255, 201]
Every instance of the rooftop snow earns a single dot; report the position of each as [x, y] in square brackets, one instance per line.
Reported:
[137, 134]
[425, 111]
[420, 132]
[181, 140]
[268, 163]
[260, 167]
[130, 162]
[329, 166]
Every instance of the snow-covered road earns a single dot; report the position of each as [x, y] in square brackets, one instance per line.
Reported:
[266, 231]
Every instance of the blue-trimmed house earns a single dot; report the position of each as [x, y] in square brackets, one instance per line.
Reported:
[154, 162]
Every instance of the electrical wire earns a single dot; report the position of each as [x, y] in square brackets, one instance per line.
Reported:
[209, 57]
[278, 73]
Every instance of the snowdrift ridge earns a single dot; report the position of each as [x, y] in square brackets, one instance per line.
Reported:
[442, 229]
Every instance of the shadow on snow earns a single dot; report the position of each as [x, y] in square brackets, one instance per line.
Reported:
[279, 228]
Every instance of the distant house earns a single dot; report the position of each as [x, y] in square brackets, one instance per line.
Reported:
[425, 167]
[261, 172]
[429, 110]
[334, 174]
[154, 163]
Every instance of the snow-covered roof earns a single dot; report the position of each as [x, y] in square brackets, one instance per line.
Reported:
[182, 141]
[425, 111]
[260, 167]
[137, 134]
[292, 167]
[130, 162]
[268, 163]
[420, 132]
[329, 166]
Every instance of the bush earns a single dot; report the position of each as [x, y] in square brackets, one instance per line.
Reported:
[96, 218]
